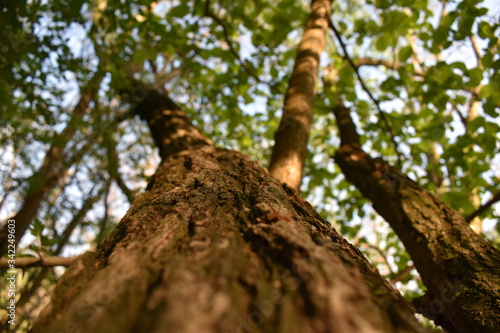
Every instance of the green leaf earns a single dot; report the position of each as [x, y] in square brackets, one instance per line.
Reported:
[181, 10]
[405, 53]
[485, 30]
[383, 42]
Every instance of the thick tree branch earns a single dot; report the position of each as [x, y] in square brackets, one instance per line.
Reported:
[171, 129]
[290, 147]
[448, 255]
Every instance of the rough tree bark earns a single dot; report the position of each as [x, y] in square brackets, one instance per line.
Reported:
[216, 244]
[53, 167]
[290, 148]
[459, 268]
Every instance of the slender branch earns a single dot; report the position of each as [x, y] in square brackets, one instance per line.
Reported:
[27, 262]
[104, 220]
[382, 254]
[367, 61]
[416, 60]
[477, 51]
[401, 275]
[463, 119]
[113, 163]
[130, 194]
[382, 114]
[485, 207]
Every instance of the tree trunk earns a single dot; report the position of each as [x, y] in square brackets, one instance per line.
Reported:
[216, 244]
[290, 148]
[460, 269]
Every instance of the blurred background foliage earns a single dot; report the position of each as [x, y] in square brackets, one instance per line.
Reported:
[428, 102]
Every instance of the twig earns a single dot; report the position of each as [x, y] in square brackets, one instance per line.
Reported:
[368, 92]
[381, 253]
[484, 207]
[401, 275]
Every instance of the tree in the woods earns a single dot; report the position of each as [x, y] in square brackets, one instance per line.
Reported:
[215, 242]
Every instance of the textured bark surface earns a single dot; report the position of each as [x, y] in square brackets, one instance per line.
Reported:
[53, 168]
[460, 270]
[290, 148]
[216, 244]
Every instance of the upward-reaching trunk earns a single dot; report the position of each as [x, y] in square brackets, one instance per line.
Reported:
[53, 167]
[290, 148]
[460, 270]
[216, 244]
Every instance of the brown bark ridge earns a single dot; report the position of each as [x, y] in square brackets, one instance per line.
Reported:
[53, 167]
[460, 270]
[216, 244]
[290, 148]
